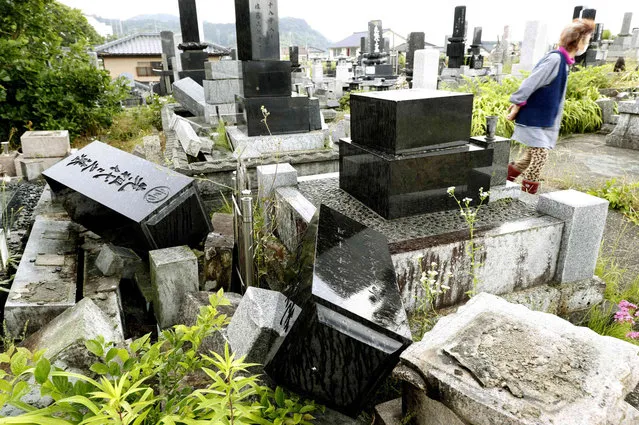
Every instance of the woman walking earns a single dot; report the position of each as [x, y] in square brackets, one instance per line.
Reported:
[538, 105]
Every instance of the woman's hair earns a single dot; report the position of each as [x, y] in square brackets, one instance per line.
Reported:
[578, 30]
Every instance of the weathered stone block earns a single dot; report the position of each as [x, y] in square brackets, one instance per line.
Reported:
[256, 326]
[223, 70]
[626, 133]
[8, 164]
[188, 138]
[222, 91]
[173, 274]
[494, 362]
[190, 95]
[584, 219]
[607, 108]
[293, 214]
[63, 338]
[389, 413]
[222, 224]
[117, 260]
[45, 144]
[41, 292]
[153, 150]
[426, 411]
[218, 260]
[270, 177]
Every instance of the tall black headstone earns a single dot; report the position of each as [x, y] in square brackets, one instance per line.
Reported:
[476, 59]
[352, 326]
[576, 14]
[266, 79]
[375, 37]
[168, 53]
[258, 30]
[193, 51]
[455, 48]
[127, 200]
[188, 21]
[589, 14]
[416, 41]
[294, 56]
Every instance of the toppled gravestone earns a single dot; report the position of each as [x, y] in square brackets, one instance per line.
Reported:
[64, 337]
[352, 325]
[129, 201]
[494, 362]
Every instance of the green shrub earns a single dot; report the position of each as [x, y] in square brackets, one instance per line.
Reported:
[47, 79]
[622, 196]
[152, 383]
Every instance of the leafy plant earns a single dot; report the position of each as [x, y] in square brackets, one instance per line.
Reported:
[432, 286]
[166, 382]
[601, 321]
[622, 196]
[469, 213]
[221, 139]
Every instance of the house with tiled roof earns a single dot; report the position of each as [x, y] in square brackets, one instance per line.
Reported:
[139, 54]
[350, 46]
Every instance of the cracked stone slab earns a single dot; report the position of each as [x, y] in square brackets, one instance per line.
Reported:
[494, 362]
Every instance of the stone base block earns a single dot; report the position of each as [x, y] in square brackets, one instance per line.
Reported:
[8, 164]
[222, 91]
[225, 111]
[585, 218]
[253, 147]
[119, 261]
[389, 413]
[32, 168]
[270, 177]
[400, 186]
[45, 144]
[63, 338]
[223, 70]
[626, 134]
[286, 114]
[293, 214]
[174, 273]
[190, 94]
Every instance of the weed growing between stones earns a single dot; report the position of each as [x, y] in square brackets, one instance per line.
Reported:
[168, 382]
[432, 286]
[221, 140]
[469, 214]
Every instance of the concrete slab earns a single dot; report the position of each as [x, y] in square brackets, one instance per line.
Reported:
[40, 292]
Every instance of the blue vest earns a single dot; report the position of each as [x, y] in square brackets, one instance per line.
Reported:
[543, 105]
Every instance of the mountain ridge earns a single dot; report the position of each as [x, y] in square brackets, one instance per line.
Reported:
[293, 31]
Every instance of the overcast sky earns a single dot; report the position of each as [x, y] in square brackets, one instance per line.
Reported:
[337, 19]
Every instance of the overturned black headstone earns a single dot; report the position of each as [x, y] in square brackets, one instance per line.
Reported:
[352, 327]
[127, 200]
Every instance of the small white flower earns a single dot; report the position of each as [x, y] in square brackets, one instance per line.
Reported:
[451, 190]
[433, 264]
[445, 287]
[449, 275]
[467, 200]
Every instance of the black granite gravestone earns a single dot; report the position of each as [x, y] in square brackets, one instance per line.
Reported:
[387, 121]
[257, 26]
[455, 48]
[476, 59]
[266, 79]
[352, 326]
[375, 36]
[576, 13]
[129, 201]
[408, 147]
[589, 14]
[294, 56]
[193, 53]
[416, 41]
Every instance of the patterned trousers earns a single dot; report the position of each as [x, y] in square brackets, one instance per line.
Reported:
[532, 162]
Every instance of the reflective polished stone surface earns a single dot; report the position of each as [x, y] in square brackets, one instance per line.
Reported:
[257, 26]
[266, 78]
[127, 200]
[287, 114]
[352, 327]
[402, 185]
[400, 121]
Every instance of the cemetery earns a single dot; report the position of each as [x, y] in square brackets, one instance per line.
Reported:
[266, 241]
